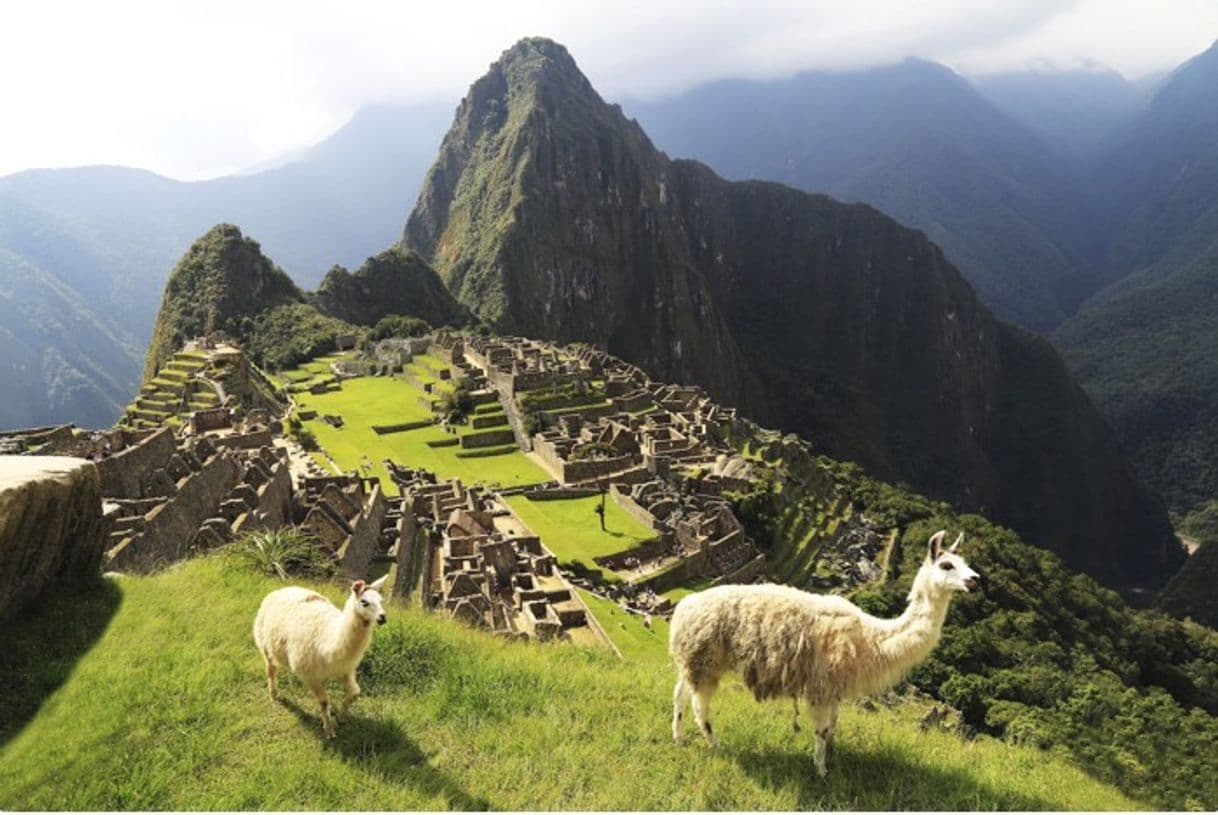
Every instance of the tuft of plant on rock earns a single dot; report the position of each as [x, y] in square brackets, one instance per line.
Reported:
[282, 552]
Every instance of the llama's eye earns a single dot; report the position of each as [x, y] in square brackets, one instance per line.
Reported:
[945, 566]
[363, 603]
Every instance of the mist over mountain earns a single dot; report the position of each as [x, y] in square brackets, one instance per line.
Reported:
[550, 214]
[1079, 113]
[924, 146]
[105, 238]
[1147, 347]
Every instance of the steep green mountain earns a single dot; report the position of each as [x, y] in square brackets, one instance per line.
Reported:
[108, 236]
[921, 144]
[224, 282]
[550, 214]
[1146, 348]
[1191, 592]
[395, 281]
[1077, 112]
[220, 284]
[1165, 172]
[61, 363]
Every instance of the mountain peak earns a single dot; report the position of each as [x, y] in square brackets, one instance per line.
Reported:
[533, 70]
[222, 279]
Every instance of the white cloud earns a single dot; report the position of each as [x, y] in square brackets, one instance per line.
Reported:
[196, 89]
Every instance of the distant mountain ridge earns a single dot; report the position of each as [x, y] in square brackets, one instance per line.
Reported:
[550, 214]
[1147, 346]
[102, 241]
[924, 146]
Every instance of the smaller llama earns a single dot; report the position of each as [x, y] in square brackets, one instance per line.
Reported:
[823, 648]
[302, 630]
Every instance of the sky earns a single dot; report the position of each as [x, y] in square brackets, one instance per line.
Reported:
[201, 89]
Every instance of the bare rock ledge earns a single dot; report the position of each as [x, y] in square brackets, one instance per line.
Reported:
[51, 525]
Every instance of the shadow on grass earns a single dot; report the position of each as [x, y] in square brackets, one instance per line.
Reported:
[878, 780]
[382, 747]
[41, 647]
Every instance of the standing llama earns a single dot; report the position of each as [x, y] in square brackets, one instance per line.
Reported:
[303, 630]
[787, 642]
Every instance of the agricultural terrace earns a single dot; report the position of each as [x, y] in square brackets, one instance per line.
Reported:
[571, 529]
[368, 402]
[311, 372]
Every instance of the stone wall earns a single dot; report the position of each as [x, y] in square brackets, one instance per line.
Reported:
[409, 557]
[364, 542]
[170, 528]
[245, 441]
[274, 502]
[634, 509]
[51, 525]
[127, 474]
[487, 438]
[574, 471]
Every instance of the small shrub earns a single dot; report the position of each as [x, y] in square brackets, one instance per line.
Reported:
[308, 439]
[282, 552]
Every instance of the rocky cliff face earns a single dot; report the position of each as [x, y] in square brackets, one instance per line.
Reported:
[396, 281]
[51, 526]
[549, 213]
[221, 283]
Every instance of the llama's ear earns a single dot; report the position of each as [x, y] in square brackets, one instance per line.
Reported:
[379, 583]
[935, 545]
[357, 588]
[956, 545]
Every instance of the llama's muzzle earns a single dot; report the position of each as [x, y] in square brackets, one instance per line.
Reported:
[972, 584]
[380, 620]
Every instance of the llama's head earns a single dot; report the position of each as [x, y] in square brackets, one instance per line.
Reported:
[946, 570]
[367, 602]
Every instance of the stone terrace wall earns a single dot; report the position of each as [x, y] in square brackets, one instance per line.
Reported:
[126, 474]
[169, 529]
[51, 525]
[356, 555]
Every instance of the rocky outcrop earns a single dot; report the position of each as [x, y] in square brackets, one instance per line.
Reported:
[396, 281]
[51, 526]
[220, 284]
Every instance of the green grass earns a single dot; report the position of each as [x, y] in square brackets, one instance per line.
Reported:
[571, 530]
[683, 591]
[369, 401]
[161, 704]
[636, 643]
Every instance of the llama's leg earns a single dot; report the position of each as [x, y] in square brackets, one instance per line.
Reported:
[702, 713]
[833, 721]
[681, 695]
[272, 673]
[821, 717]
[352, 692]
[795, 718]
[327, 712]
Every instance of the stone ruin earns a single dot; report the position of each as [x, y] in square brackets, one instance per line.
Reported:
[477, 562]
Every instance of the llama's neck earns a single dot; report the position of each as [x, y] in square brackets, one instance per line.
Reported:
[908, 639]
[350, 634]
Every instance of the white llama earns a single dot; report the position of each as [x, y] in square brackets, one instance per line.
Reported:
[787, 642]
[301, 629]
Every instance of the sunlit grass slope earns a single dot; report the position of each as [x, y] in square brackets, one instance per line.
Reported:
[164, 707]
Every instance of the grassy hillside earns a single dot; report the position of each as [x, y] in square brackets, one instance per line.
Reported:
[158, 702]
